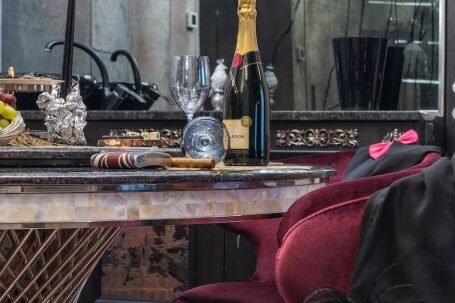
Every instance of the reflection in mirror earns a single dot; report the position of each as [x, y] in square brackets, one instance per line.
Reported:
[151, 31]
[314, 70]
[410, 79]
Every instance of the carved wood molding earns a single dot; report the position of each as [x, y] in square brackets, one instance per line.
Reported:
[171, 134]
[172, 138]
[321, 138]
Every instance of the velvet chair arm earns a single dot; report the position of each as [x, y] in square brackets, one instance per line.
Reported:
[319, 252]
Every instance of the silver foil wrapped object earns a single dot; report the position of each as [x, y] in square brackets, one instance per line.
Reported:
[64, 119]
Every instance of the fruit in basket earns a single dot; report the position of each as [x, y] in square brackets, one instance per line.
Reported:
[8, 99]
[4, 123]
[8, 113]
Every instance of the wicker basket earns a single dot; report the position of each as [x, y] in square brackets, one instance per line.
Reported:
[13, 130]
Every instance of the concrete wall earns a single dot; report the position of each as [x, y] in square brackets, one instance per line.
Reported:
[153, 31]
[27, 26]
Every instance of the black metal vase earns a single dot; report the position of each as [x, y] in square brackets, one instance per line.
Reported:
[393, 77]
[360, 65]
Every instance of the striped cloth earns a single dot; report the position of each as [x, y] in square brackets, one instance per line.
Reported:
[114, 160]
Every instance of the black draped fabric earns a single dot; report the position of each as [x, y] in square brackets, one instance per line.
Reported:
[399, 157]
[407, 249]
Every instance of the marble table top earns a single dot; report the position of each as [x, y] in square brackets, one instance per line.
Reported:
[85, 197]
[68, 153]
[63, 156]
[192, 179]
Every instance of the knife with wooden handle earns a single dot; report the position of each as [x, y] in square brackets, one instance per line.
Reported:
[135, 160]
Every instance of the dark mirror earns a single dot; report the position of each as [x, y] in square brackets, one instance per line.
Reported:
[326, 55]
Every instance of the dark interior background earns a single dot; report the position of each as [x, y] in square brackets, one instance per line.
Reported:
[218, 34]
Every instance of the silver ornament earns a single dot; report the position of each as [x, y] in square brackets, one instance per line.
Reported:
[272, 82]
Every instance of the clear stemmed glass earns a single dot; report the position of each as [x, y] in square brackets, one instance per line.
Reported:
[190, 82]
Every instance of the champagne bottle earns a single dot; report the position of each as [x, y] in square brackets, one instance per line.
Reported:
[246, 109]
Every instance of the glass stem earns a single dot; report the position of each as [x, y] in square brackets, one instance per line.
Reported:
[190, 117]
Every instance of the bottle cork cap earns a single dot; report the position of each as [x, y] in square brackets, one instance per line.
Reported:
[247, 9]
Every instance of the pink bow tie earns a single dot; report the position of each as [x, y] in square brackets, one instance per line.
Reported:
[377, 151]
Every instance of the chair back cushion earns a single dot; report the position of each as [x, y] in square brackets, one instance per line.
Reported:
[345, 191]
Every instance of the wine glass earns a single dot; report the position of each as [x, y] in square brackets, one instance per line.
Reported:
[190, 82]
[205, 138]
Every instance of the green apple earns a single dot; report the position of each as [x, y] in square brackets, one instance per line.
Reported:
[9, 113]
[4, 123]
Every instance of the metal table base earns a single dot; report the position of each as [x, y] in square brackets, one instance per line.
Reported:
[49, 265]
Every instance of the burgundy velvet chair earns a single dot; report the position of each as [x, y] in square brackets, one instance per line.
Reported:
[263, 234]
[319, 238]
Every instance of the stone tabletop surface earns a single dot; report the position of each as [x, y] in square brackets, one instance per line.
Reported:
[86, 198]
[67, 153]
[89, 176]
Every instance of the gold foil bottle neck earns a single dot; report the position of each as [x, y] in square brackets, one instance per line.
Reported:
[246, 39]
[11, 72]
[247, 10]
